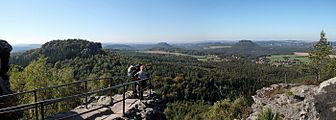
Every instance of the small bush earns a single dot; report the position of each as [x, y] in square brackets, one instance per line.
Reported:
[289, 93]
[267, 114]
[272, 93]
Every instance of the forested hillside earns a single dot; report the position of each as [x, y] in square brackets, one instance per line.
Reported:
[59, 50]
[259, 48]
[243, 48]
[58, 62]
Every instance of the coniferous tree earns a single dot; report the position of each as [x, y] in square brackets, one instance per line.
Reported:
[319, 56]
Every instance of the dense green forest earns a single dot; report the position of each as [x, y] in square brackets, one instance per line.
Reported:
[184, 81]
[211, 90]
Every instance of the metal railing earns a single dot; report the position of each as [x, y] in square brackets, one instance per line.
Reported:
[42, 103]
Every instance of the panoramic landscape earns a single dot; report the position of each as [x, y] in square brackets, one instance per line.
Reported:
[167, 60]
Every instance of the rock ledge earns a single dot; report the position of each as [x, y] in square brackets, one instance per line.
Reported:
[151, 108]
[295, 101]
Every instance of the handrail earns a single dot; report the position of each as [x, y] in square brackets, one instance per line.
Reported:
[57, 86]
[56, 100]
[123, 100]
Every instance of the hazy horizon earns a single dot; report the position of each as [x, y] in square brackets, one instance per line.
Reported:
[173, 21]
[155, 42]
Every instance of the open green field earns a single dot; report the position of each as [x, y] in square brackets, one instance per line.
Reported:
[291, 57]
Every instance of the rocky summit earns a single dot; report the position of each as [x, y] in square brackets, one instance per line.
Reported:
[297, 102]
[108, 108]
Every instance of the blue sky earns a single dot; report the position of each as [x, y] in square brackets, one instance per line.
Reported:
[137, 21]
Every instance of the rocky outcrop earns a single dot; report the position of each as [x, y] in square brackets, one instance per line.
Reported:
[326, 100]
[295, 101]
[108, 108]
[151, 109]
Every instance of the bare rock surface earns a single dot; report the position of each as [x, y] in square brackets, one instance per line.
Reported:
[108, 108]
[298, 102]
[326, 100]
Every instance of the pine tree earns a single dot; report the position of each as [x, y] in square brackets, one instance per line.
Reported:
[319, 56]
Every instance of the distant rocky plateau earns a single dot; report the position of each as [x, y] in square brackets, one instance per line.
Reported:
[298, 102]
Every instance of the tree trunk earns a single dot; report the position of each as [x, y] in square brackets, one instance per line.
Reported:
[317, 76]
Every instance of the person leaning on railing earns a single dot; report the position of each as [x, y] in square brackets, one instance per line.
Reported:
[132, 70]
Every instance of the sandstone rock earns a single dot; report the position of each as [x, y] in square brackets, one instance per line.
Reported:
[151, 108]
[308, 102]
[325, 84]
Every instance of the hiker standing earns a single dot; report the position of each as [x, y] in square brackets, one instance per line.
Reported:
[12, 100]
[5, 49]
[142, 75]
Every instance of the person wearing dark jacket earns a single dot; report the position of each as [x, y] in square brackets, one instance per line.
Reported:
[5, 49]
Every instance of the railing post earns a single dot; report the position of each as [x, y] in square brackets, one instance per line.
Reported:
[86, 97]
[150, 87]
[135, 91]
[36, 109]
[110, 81]
[124, 99]
[140, 90]
[42, 111]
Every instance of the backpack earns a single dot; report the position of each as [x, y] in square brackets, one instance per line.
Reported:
[132, 70]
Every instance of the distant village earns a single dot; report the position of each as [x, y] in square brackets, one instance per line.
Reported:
[285, 61]
[282, 61]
